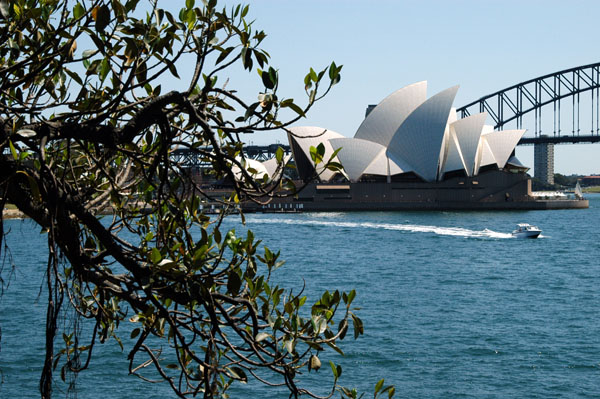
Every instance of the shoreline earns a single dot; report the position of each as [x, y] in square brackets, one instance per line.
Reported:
[278, 208]
[12, 214]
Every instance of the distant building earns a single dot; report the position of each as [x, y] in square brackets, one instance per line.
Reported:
[544, 162]
[409, 136]
[590, 181]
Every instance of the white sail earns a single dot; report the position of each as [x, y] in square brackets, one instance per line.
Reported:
[578, 192]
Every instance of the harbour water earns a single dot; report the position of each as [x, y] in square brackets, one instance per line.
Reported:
[453, 305]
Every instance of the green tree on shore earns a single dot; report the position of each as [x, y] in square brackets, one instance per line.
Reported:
[87, 123]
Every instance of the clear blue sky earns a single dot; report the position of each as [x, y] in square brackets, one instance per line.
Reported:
[482, 45]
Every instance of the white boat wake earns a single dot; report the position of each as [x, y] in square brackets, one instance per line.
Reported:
[445, 231]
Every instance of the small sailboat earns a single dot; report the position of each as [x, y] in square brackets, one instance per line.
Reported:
[578, 193]
[525, 230]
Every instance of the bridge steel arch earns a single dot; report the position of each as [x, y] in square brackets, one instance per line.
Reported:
[512, 103]
[192, 158]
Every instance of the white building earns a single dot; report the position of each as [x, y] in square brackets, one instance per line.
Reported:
[408, 134]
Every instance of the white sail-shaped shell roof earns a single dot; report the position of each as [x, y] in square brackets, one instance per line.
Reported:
[468, 133]
[487, 129]
[502, 143]
[383, 121]
[254, 168]
[453, 159]
[453, 117]
[485, 156]
[446, 144]
[383, 166]
[419, 139]
[514, 161]
[408, 133]
[271, 166]
[312, 136]
[356, 154]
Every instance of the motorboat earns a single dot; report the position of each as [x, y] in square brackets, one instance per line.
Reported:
[525, 230]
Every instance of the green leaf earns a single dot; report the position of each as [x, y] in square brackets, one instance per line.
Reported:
[67, 338]
[335, 153]
[349, 298]
[349, 393]
[334, 370]
[171, 67]
[273, 76]
[279, 154]
[141, 73]
[391, 392]
[267, 80]
[334, 166]
[378, 386]
[246, 55]
[317, 158]
[358, 326]
[238, 373]
[250, 110]
[321, 150]
[104, 69]
[78, 11]
[293, 106]
[234, 283]
[320, 76]
[121, 13]
[135, 332]
[245, 11]
[155, 256]
[224, 54]
[13, 150]
[343, 328]
[102, 17]
[332, 71]
[335, 348]
[73, 76]
[189, 4]
[307, 81]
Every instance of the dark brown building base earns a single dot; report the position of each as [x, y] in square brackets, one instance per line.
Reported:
[491, 190]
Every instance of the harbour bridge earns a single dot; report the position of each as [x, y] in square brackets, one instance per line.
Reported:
[563, 108]
[191, 159]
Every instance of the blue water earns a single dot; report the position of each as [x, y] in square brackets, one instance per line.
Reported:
[453, 306]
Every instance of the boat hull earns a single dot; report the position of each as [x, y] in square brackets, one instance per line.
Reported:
[527, 234]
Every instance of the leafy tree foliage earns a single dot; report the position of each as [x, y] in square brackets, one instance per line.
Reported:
[566, 181]
[87, 123]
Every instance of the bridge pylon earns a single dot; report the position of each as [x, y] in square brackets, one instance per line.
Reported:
[543, 160]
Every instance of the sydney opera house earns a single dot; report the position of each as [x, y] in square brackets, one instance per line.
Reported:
[412, 152]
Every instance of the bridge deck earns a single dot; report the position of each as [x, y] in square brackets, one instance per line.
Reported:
[559, 140]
